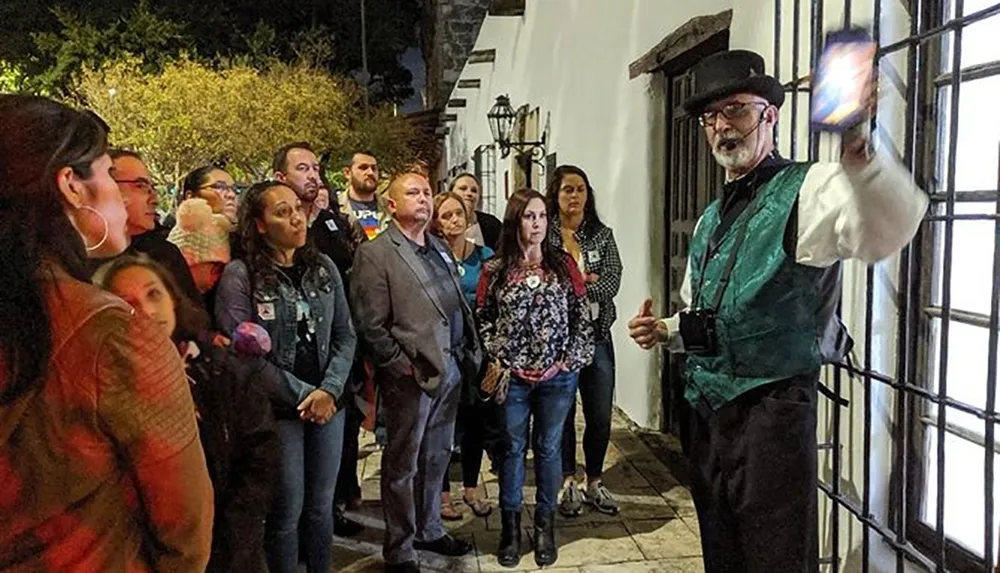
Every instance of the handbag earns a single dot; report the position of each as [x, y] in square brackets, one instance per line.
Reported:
[494, 383]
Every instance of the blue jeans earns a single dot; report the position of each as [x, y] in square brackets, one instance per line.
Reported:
[310, 462]
[597, 393]
[548, 403]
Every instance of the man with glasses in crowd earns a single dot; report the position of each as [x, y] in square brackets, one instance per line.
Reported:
[761, 287]
[148, 236]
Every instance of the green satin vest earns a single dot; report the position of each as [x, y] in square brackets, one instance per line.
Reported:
[769, 321]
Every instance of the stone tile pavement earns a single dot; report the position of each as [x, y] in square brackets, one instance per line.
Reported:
[656, 532]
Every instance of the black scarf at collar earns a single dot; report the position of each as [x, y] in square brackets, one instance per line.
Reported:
[737, 194]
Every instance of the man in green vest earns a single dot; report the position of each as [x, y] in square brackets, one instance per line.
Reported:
[761, 288]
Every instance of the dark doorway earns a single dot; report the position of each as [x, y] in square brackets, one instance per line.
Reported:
[694, 180]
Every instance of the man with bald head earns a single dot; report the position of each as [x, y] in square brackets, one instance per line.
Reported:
[420, 335]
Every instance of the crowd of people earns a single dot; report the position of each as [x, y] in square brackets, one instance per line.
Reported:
[192, 389]
[187, 394]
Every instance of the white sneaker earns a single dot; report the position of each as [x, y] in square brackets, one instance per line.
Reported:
[601, 499]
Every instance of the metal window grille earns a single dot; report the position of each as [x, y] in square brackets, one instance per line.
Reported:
[551, 164]
[485, 163]
[694, 180]
[932, 415]
[936, 417]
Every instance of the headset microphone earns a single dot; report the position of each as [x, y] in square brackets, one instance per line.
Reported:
[731, 144]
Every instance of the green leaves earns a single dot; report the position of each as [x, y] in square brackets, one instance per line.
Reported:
[51, 41]
[190, 114]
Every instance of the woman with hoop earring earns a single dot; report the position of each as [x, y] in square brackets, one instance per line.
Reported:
[93, 396]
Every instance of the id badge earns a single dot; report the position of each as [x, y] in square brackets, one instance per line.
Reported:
[265, 310]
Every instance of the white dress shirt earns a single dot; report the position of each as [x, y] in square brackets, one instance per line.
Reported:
[866, 215]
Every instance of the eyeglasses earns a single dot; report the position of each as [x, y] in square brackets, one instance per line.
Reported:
[734, 110]
[144, 185]
[223, 187]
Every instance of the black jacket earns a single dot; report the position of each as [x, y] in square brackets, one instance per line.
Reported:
[154, 245]
[338, 237]
[491, 227]
[243, 451]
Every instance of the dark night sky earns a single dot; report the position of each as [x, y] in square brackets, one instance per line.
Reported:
[413, 60]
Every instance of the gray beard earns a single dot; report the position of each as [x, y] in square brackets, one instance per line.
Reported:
[738, 159]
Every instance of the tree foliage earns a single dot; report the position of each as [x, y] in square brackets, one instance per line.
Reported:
[190, 114]
[79, 44]
[50, 41]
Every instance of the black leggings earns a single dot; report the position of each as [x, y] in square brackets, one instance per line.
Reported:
[481, 427]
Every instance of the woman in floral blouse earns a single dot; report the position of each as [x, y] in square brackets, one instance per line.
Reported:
[534, 321]
[577, 229]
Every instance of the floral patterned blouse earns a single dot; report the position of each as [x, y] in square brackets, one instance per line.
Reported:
[535, 320]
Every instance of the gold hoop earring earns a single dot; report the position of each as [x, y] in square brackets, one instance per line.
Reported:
[106, 229]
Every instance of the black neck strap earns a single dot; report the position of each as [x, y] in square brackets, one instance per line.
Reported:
[727, 271]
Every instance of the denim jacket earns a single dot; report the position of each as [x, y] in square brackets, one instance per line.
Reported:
[274, 308]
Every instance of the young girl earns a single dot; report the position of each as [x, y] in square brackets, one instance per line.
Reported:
[235, 423]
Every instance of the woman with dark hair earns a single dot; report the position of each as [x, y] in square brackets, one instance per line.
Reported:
[92, 395]
[285, 285]
[484, 229]
[214, 185]
[535, 325]
[479, 424]
[235, 423]
[577, 229]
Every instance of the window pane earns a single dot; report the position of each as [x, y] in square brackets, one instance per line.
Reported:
[972, 259]
[968, 7]
[978, 135]
[979, 39]
[964, 483]
[967, 362]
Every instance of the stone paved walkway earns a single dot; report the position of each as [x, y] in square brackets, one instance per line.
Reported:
[657, 530]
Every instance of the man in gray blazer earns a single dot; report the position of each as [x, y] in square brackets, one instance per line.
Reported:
[418, 330]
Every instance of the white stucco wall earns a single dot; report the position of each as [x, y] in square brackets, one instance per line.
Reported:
[570, 58]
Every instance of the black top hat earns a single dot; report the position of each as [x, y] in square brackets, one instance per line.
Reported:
[726, 73]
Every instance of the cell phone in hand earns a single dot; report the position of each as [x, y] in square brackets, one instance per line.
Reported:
[842, 83]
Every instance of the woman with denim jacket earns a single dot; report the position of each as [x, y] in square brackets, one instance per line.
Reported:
[579, 231]
[296, 293]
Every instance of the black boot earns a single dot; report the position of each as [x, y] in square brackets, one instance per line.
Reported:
[546, 551]
[509, 553]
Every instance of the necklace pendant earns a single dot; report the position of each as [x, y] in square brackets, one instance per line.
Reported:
[461, 270]
[534, 281]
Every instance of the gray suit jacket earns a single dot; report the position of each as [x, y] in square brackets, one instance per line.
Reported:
[400, 323]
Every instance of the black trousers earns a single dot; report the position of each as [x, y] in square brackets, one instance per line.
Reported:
[753, 479]
[482, 427]
[348, 488]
